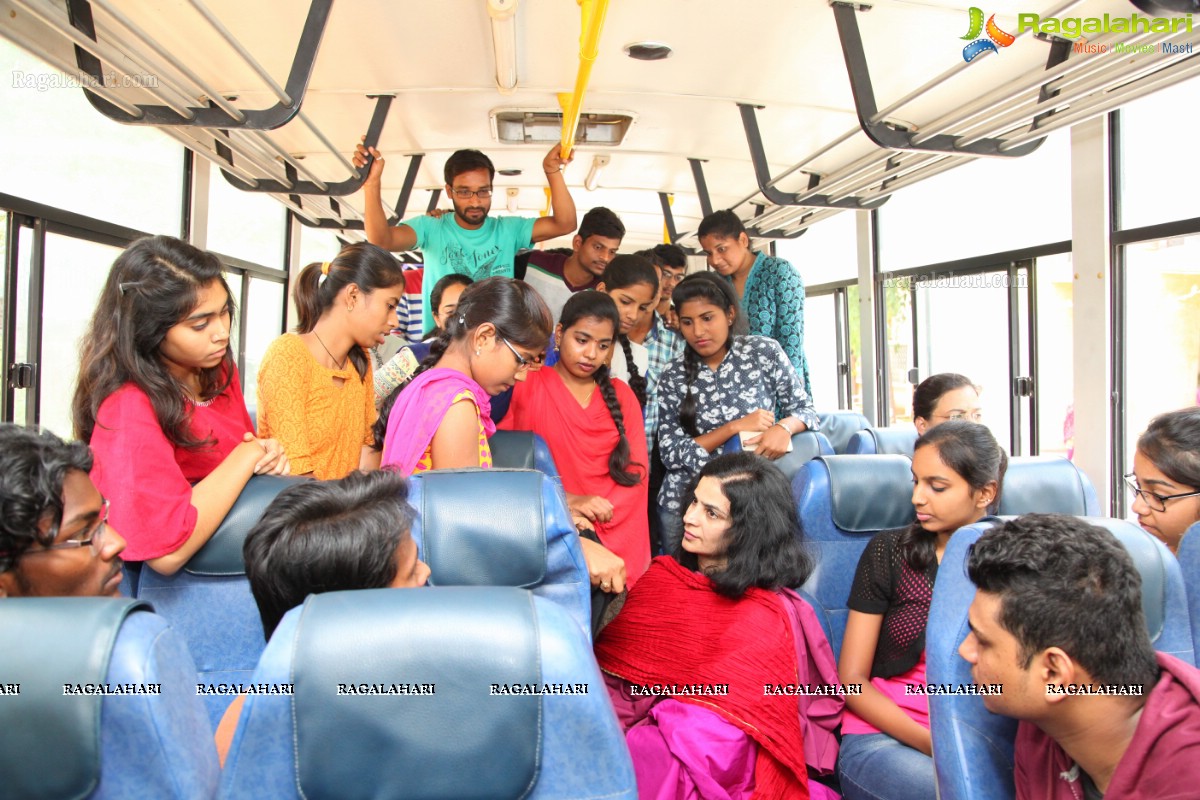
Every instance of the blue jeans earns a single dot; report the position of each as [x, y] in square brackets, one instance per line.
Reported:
[874, 766]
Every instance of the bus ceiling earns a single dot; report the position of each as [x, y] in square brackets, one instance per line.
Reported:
[202, 71]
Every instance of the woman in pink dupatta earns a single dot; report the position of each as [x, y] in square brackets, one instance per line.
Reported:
[441, 418]
[593, 427]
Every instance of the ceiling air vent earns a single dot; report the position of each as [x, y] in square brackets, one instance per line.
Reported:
[545, 127]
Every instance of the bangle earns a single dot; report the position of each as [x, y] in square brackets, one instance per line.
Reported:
[785, 427]
[554, 172]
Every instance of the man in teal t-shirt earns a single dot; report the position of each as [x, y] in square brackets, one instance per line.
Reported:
[467, 241]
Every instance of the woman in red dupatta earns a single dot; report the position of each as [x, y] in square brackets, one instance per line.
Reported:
[593, 427]
[700, 658]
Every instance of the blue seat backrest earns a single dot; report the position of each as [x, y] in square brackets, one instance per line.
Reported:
[1046, 485]
[806, 445]
[1189, 562]
[522, 450]
[897, 440]
[843, 501]
[154, 742]
[500, 527]
[464, 740]
[209, 601]
[973, 748]
[840, 426]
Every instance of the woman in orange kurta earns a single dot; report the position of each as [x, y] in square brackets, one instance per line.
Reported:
[316, 390]
[593, 427]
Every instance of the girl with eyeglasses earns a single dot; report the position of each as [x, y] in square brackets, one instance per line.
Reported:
[158, 400]
[1166, 475]
[441, 419]
[944, 397]
[316, 388]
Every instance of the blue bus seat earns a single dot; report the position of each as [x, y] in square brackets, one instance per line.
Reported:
[461, 741]
[522, 450]
[840, 426]
[1189, 562]
[973, 748]
[843, 501]
[1046, 485]
[501, 527]
[897, 440]
[54, 745]
[806, 445]
[209, 601]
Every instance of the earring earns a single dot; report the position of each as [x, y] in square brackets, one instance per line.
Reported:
[557, 344]
[478, 351]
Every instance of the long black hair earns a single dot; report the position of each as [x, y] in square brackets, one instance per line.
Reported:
[435, 297]
[764, 545]
[713, 289]
[597, 305]
[515, 309]
[152, 287]
[622, 272]
[367, 266]
[970, 450]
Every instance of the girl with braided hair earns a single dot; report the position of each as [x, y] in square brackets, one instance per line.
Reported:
[441, 418]
[632, 283]
[723, 386]
[592, 424]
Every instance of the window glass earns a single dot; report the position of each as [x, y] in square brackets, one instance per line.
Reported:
[25, 239]
[826, 252]
[1162, 332]
[820, 348]
[985, 206]
[856, 379]
[264, 323]
[316, 245]
[1159, 174]
[246, 225]
[65, 154]
[962, 326]
[897, 293]
[75, 273]
[234, 279]
[1055, 351]
[3, 301]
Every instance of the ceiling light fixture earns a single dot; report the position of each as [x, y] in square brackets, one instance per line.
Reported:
[503, 14]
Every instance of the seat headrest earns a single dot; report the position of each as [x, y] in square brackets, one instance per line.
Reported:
[456, 740]
[1151, 562]
[870, 493]
[1044, 485]
[50, 741]
[512, 449]
[221, 555]
[806, 446]
[482, 527]
[839, 426]
[898, 440]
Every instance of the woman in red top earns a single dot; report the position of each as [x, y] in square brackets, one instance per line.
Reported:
[593, 427]
[158, 400]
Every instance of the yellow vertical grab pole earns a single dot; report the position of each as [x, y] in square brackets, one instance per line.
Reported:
[592, 13]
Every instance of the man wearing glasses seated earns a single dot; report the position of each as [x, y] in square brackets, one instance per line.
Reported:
[468, 241]
[54, 537]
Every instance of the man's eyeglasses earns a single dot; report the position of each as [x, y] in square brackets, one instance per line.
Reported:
[467, 194]
[958, 416]
[523, 363]
[1156, 502]
[92, 537]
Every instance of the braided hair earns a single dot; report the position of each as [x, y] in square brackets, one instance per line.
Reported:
[622, 272]
[711, 288]
[597, 305]
[515, 309]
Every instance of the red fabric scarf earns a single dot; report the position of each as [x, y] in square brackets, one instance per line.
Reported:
[675, 629]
